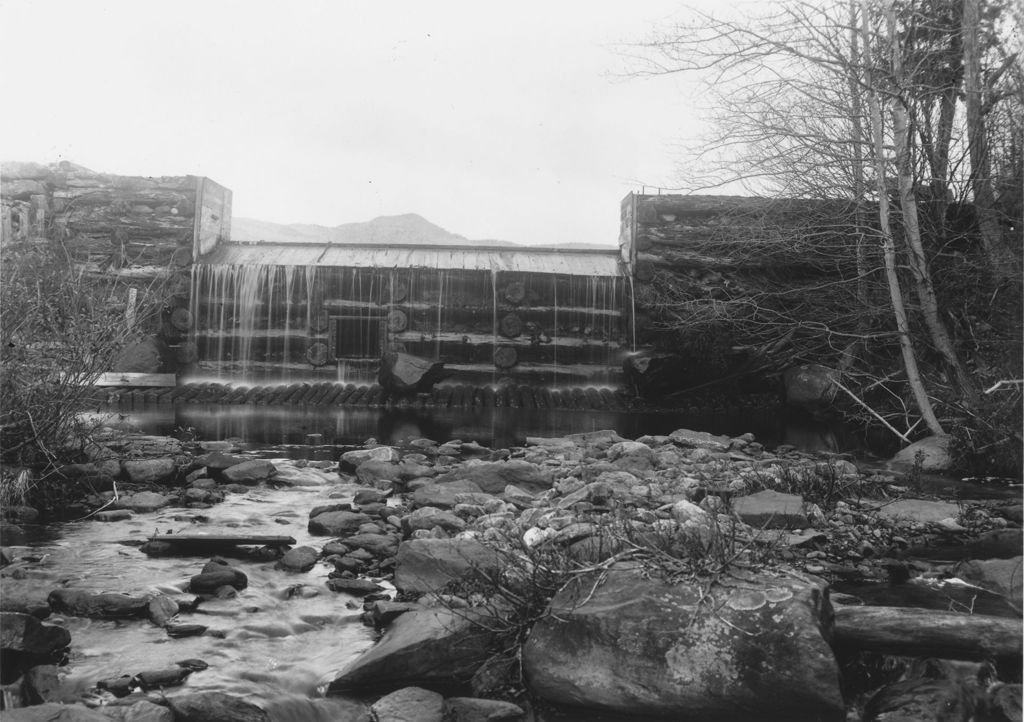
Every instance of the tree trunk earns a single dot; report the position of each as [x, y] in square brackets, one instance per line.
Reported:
[924, 404]
[919, 263]
[1002, 262]
[912, 230]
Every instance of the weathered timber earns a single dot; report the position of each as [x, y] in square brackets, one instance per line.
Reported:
[162, 544]
[128, 378]
[910, 631]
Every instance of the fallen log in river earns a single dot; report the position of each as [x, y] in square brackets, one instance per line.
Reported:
[908, 631]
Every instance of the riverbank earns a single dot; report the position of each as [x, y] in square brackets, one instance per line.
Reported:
[428, 537]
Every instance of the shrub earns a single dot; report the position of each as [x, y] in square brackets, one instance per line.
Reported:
[60, 328]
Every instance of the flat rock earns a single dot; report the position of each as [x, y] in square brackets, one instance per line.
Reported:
[377, 453]
[355, 587]
[113, 515]
[427, 565]
[700, 440]
[219, 461]
[249, 472]
[474, 709]
[772, 510]
[288, 475]
[428, 517]
[141, 711]
[380, 546]
[144, 502]
[208, 582]
[493, 476]
[921, 511]
[106, 605]
[54, 712]
[150, 471]
[409, 704]
[215, 707]
[443, 495]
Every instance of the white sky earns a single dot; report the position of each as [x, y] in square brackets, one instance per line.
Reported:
[509, 121]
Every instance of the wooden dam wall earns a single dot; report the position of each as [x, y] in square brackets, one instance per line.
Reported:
[328, 312]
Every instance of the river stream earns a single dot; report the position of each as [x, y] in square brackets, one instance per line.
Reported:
[282, 636]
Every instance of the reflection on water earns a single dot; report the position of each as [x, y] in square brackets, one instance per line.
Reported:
[274, 646]
[495, 427]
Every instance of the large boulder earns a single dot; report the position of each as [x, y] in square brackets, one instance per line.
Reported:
[932, 453]
[753, 647]
[1002, 576]
[810, 386]
[493, 476]
[427, 565]
[434, 648]
[26, 635]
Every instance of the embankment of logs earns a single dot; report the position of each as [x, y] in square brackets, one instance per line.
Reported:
[372, 396]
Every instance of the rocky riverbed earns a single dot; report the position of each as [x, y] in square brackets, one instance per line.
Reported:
[682, 576]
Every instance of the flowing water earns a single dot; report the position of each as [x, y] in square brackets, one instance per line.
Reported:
[283, 636]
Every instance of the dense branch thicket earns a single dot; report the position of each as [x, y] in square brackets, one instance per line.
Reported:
[897, 124]
[60, 328]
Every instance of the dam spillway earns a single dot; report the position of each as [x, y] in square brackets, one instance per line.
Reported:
[288, 312]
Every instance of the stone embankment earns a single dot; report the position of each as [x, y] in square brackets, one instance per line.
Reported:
[678, 576]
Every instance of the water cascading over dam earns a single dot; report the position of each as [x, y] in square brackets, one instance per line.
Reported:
[267, 313]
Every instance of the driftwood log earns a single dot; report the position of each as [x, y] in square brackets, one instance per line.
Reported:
[913, 632]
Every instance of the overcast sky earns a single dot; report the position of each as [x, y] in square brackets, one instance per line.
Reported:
[510, 121]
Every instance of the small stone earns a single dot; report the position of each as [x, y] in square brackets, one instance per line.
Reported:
[355, 587]
[299, 559]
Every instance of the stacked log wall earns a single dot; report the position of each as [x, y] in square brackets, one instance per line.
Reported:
[716, 244]
[136, 236]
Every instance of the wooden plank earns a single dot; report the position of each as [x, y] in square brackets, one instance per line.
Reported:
[131, 378]
[913, 632]
[205, 543]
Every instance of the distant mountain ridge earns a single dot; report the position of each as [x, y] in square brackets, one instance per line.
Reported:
[406, 228]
